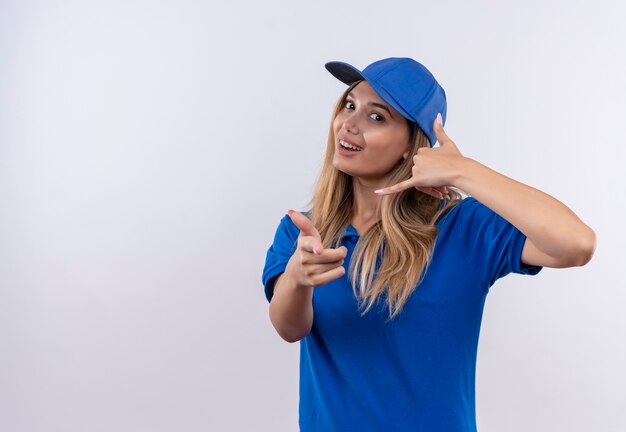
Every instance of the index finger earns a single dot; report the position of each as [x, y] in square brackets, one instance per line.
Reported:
[399, 187]
[304, 223]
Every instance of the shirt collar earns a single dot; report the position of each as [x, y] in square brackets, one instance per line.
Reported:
[350, 232]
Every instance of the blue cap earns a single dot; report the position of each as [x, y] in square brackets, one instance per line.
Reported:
[404, 84]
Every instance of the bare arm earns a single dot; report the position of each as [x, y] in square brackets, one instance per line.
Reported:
[555, 236]
[291, 309]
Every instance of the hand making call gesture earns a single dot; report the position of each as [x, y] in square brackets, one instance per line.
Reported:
[312, 265]
[434, 169]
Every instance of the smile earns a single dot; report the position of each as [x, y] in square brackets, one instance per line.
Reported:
[349, 146]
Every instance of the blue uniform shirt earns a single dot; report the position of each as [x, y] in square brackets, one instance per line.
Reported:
[417, 371]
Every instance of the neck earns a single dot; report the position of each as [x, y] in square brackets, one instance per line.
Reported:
[366, 210]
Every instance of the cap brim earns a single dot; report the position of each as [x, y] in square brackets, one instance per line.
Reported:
[348, 74]
[344, 72]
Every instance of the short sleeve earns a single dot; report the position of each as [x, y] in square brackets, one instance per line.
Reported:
[279, 253]
[494, 246]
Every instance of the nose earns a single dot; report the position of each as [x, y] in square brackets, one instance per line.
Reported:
[350, 123]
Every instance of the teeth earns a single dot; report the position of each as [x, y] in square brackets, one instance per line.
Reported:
[344, 144]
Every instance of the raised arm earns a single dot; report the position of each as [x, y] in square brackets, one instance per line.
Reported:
[555, 236]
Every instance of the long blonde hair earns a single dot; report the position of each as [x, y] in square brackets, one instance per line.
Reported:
[400, 244]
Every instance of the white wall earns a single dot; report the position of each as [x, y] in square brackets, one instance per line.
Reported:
[149, 149]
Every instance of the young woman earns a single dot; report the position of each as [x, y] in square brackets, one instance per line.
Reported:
[383, 281]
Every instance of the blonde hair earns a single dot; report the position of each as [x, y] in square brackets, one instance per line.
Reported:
[392, 256]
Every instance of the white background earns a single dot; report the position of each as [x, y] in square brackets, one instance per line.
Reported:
[148, 150]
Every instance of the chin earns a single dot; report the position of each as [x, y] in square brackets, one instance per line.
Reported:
[354, 169]
[342, 167]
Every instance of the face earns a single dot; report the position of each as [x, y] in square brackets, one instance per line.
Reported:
[371, 137]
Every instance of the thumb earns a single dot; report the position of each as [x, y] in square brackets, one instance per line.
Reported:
[304, 223]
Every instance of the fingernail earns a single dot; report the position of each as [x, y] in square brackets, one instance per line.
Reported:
[315, 251]
[378, 191]
[439, 119]
[290, 212]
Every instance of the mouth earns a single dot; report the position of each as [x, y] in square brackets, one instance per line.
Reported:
[349, 146]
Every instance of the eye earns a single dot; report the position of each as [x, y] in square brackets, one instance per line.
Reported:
[377, 117]
[348, 105]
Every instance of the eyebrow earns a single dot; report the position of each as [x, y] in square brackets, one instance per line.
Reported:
[376, 104]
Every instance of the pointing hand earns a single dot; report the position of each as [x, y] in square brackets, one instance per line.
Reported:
[312, 264]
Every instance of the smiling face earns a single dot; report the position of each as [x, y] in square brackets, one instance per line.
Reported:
[371, 137]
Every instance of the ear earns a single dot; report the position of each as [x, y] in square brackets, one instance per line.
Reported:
[407, 147]
[407, 152]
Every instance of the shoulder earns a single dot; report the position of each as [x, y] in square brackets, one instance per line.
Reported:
[473, 221]
[465, 209]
